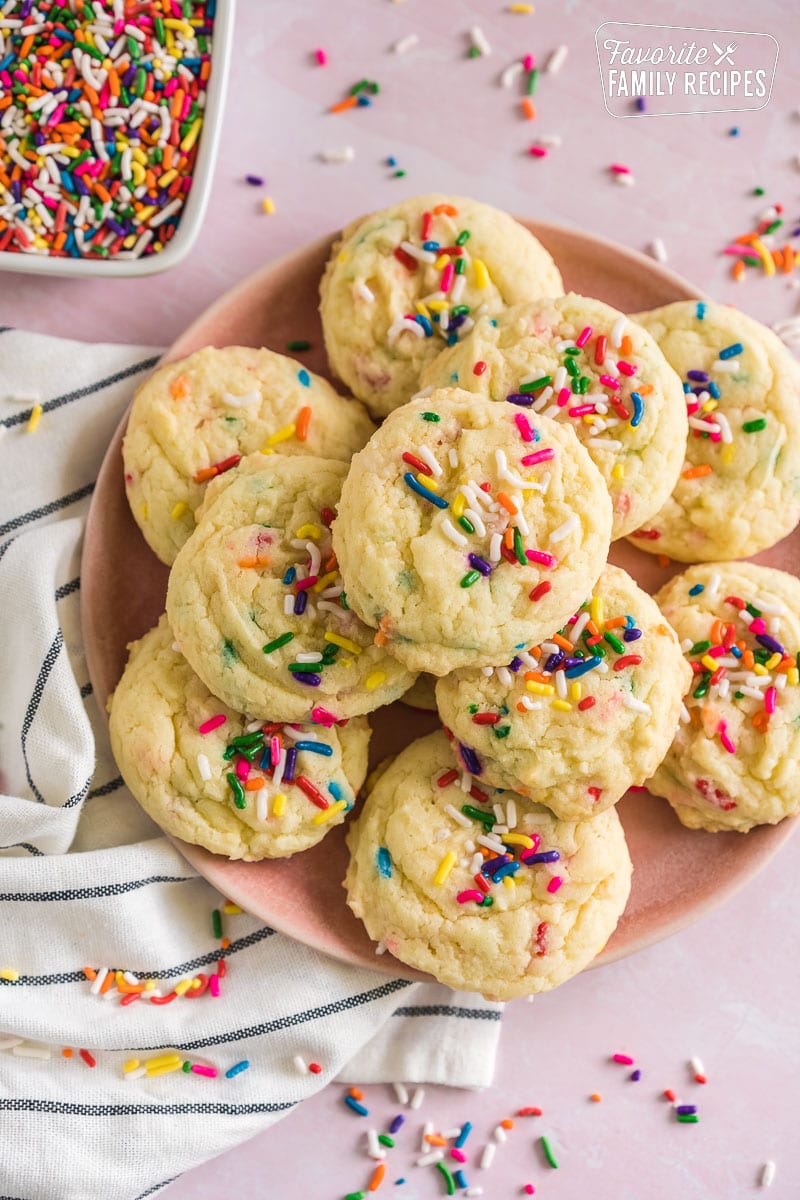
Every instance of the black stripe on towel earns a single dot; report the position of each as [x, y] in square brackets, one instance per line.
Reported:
[80, 393]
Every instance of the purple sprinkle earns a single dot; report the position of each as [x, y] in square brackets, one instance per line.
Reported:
[494, 864]
[396, 1123]
[255, 180]
[480, 564]
[699, 391]
[769, 643]
[641, 104]
[515, 664]
[545, 857]
[291, 763]
[572, 662]
[686, 1110]
[470, 759]
[698, 376]
[632, 635]
[300, 602]
[521, 399]
[554, 661]
[307, 678]
[636, 1075]
[457, 322]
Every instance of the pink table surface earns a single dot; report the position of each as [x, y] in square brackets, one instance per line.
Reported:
[726, 990]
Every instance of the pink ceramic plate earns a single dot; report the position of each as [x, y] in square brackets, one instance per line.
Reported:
[679, 876]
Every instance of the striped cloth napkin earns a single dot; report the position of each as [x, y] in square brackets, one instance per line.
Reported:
[86, 878]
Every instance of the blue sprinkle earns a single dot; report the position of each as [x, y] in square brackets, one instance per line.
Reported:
[734, 132]
[237, 1069]
[391, 161]
[364, 101]
[588, 664]
[430, 245]
[687, 387]
[641, 104]
[356, 1107]
[417, 487]
[315, 748]
[714, 390]
[460, 1178]
[507, 869]
[629, 621]
[466, 1130]
[638, 409]
[454, 376]
[422, 320]
[335, 790]
[384, 860]
[700, 311]
[452, 338]
[697, 589]
[736, 652]
[304, 377]
[266, 759]
[731, 351]
[289, 577]
[545, 857]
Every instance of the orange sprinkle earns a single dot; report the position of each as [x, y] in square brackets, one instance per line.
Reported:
[698, 472]
[177, 103]
[528, 109]
[90, 972]
[508, 504]
[508, 539]
[612, 623]
[747, 239]
[663, 560]
[537, 677]
[205, 474]
[567, 645]
[67, 1052]
[625, 347]
[302, 423]
[507, 1123]
[330, 563]
[253, 785]
[380, 638]
[593, 630]
[356, 1093]
[596, 1097]
[350, 102]
[254, 562]
[737, 270]
[645, 389]
[717, 631]
[447, 209]
[435, 1139]
[748, 660]
[788, 259]
[377, 1177]
[179, 387]
[225, 943]
[777, 258]
[107, 983]
[521, 707]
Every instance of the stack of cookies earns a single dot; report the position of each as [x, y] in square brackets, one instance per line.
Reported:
[457, 555]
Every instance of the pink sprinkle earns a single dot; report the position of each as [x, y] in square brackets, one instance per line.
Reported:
[275, 748]
[626, 368]
[737, 249]
[770, 696]
[757, 625]
[583, 336]
[554, 884]
[243, 769]
[529, 1189]
[447, 277]
[458, 1155]
[529, 62]
[304, 584]
[541, 556]
[724, 737]
[610, 382]
[198, 1069]
[322, 57]
[538, 456]
[539, 151]
[563, 397]
[524, 427]
[625, 1059]
[212, 723]
[580, 409]
[469, 894]
[619, 169]
[321, 716]
[529, 850]
[213, 985]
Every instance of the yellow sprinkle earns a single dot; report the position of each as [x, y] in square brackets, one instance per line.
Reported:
[344, 642]
[442, 261]
[772, 662]
[709, 662]
[266, 450]
[518, 839]
[180, 508]
[540, 689]
[268, 206]
[309, 531]
[324, 581]
[130, 241]
[9, 975]
[710, 405]
[181, 988]
[422, 309]
[459, 504]
[166, 179]
[150, 985]
[521, 8]
[618, 471]
[119, 978]
[562, 706]
[163, 1060]
[793, 676]
[178, 23]
[138, 155]
[282, 435]
[765, 256]
[444, 868]
[35, 417]
[591, 418]
[575, 690]
[346, 662]
[437, 305]
[508, 882]
[374, 680]
[131, 1065]
[231, 909]
[596, 610]
[164, 1070]
[428, 483]
[279, 804]
[327, 814]
[196, 985]
[727, 455]
[342, 256]
[759, 670]
[145, 511]
[144, 214]
[482, 278]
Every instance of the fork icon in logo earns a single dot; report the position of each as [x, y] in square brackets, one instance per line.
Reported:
[724, 54]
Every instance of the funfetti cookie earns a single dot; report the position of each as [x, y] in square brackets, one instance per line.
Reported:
[195, 418]
[486, 891]
[739, 488]
[466, 529]
[576, 720]
[734, 761]
[257, 604]
[211, 776]
[584, 364]
[403, 283]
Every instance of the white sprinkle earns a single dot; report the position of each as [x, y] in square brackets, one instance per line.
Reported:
[631, 701]
[139, 1073]
[658, 250]
[373, 1145]
[500, 1134]
[549, 139]
[491, 843]
[504, 676]
[451, 533]
[31, 1050]
[343, 154]
[7, 1042]
[25, 399]
[311, 656]
[618, 330]
[381, 948]
[451, 1133]
[458, 817]
[577, 629]
[697, 1066]
[511, 813]
[770, 606]
[432, 1156]
[685, 718]
[556, 60]
[706, 426]
[625, 180]
[401, 1091]
[360, 289]
[427, 456]
[511, 74]
[767, 1174]
[288, 605]
[604, 443]
[424, 1145]
[452, 455]
[561, 685]
[405, 44]
[570, 525]
[97, 983]
[457, 290]
[425, 256]
[712, 587]
[204, 766]
[499, 813]
[262, 804]
[478, 1191]
[479, 40]
[301, 1066]
[477, 863]
[417, 1098]
[277, 774]
[730, 365]
[477, 521]
[488, 1155]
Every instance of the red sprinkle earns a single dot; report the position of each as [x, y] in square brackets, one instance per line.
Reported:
[529, 1111]
[485, 718]
[651, 535]
[541, 939]
[88, 1058]
[540, 590]
[427, 222]
[478, 795]
[587, 702]
[669, 1095]
[627, 660]
[483, 883]
[315, 1068]
[328, 516]
[313, 793]
[164, 999]
[595, 793]
[416, 463]
[402, 256]
[736, 602]
[479, 368]
[448, 778]
[600, 347]
[700, 1079]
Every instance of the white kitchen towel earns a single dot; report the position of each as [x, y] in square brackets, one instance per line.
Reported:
[86, 879]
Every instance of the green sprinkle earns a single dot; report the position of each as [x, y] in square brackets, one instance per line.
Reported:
[229, 652]
[519, 549]
[92, 51]
[486, 902]
[402, 175]
[614, 642]
[758, 191]
[429, 416]
[463, 237]
[582, 384]
[461, 265]
[237, 789]
[460, 310]
[305, 668]
[548, 1152]
[501, 731]
[700, 647]
[355, 1196]
[776, 224]
[472, 708]
[537, 384]
[373, 88]
[755, 426]
[473, 52]
[470, 578]
[534, 75]
[359, 87]
[688, 1118]
[477, 814]
[187, 1066]
[343, 602]
[448, 1178]
[296, 346]
[571, 350]
[385, 1140]
[751, 608]
[283, 640]
[247, 739]
[738, 695]
[216, 923]
[573, 369]
[751, 260]
[466, 524]
[702, 687]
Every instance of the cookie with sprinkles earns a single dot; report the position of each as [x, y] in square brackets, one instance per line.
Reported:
[194, 419]
[739, 486]
[584, 364]
[484, 890]
[248, 789]
[575, 720]
[257, 603]
[733, 763]
[467, 529]
[405, 282]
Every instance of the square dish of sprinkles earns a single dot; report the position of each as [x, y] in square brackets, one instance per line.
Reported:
[101, 109]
